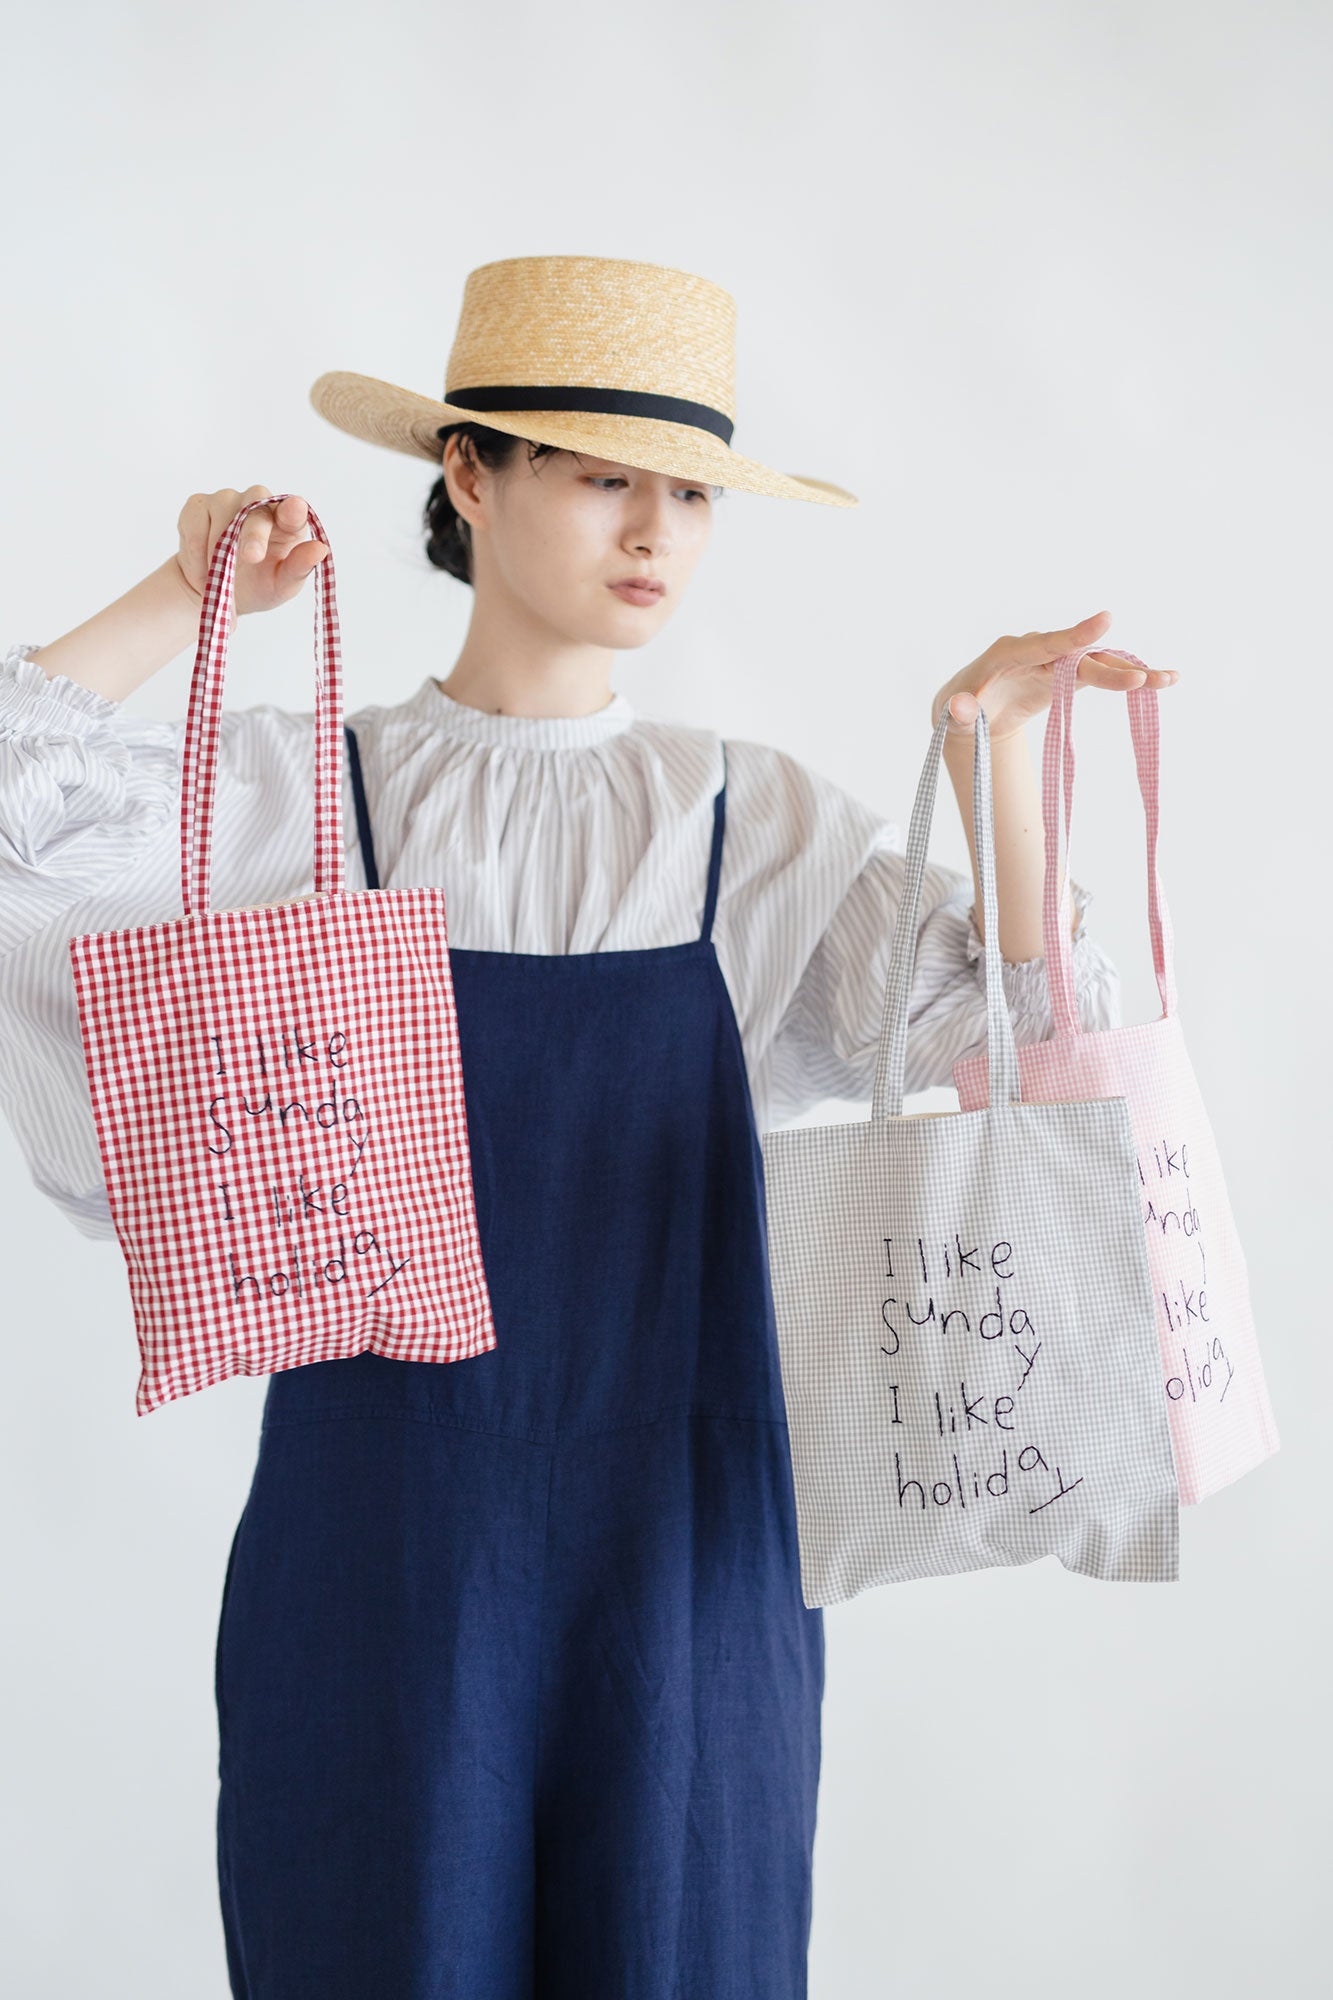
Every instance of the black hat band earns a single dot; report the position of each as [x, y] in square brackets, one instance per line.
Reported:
[609, 402]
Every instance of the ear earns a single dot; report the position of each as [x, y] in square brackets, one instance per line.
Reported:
[456, 464]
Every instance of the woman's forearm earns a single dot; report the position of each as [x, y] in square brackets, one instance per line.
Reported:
[1020, 840]
[117, 649]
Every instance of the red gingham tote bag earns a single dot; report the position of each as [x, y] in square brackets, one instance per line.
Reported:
[277, 1091]
[1221, 1420]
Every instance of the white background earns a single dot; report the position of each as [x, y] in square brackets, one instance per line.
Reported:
[1048, 287]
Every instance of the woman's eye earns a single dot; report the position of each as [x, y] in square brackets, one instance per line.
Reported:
[615, 479]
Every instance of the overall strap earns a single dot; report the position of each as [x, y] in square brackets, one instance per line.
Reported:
[715, 856]
[362, 814]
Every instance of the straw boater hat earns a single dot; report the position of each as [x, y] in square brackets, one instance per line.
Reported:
[627, 361]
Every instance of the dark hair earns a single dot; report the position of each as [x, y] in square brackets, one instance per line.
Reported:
[448, 545]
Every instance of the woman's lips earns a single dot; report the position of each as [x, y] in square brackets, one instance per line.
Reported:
[635, 593]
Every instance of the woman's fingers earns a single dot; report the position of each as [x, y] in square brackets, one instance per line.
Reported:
[254, 535]
[278, 530]
[277, 526]
[1032, 649]
[1100, 670]
[296, 566]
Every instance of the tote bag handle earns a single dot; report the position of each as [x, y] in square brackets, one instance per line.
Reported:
[1003, 1083]
[1058, 785]
[204, 722]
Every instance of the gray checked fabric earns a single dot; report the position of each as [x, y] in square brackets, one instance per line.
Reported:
[965, 1314]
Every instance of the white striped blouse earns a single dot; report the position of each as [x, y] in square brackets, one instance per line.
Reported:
[549, 834]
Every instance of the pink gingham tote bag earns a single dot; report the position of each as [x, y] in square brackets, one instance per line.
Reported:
[277, 1090]
[1211, 1375]
[964, 1313]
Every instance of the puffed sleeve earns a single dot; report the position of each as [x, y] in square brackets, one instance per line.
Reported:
[90, 841]
[827, 1041]
[81, 791]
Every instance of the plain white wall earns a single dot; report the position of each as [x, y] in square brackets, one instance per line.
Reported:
[1048, 287]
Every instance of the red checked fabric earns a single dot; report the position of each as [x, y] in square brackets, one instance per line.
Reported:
[277, 1091]
[1217, 1399]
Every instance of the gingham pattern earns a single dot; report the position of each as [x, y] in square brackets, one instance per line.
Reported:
[965, 1316]
[1212, 1378]
[278, 1093]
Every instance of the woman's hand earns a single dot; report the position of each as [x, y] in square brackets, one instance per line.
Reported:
[1011, 680]
[273, 557]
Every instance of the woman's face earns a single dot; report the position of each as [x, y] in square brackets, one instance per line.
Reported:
[553, 534]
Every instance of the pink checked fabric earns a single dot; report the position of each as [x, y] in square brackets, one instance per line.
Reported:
[277, 1091]
[1221, 1420]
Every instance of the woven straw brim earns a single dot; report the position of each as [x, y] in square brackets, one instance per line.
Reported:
[404, 420]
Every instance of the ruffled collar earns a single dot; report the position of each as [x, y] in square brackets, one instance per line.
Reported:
[520, 732]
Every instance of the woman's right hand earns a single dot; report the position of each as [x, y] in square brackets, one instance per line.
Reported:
[274, 556]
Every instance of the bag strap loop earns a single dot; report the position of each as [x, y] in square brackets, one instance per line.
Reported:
[203, 723]
[1058, 788]
[1003, 1083]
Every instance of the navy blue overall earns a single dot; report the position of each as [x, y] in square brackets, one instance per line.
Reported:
[518, 1698]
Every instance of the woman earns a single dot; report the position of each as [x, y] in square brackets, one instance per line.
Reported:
[517, 1693]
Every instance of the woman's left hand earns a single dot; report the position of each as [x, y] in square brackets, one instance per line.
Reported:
[1011, 680]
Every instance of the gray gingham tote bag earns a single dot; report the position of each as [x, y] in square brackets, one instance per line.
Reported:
[965, 1313]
